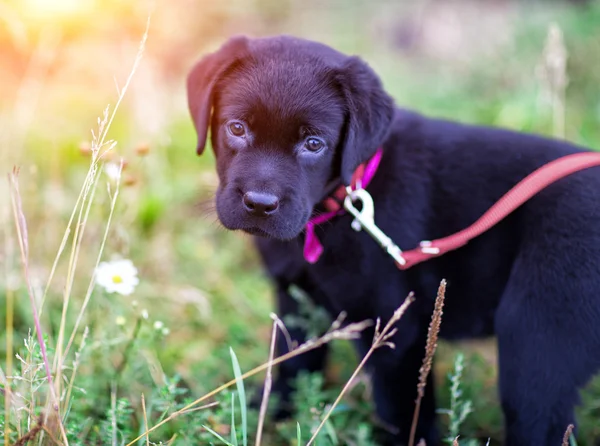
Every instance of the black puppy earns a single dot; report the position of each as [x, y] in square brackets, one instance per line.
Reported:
[290, 118]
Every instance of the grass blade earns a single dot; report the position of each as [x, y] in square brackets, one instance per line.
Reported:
[331, 432]
[242, 395]
[233, 432]
[212, 432]
[298, 435]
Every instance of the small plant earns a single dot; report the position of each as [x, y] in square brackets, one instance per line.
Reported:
[241, 392]
[311, 318]
[459, 408]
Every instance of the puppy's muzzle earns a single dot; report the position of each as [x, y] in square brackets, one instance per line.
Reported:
[260, 204]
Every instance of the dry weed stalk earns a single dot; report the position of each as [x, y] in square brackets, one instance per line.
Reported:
[567, 435]
[145, 419]
[268, 382]
[380, 339]
[6, 380]
[22, 238]
[99, 142]
[336, 331]
[432, 338]
[552, 73]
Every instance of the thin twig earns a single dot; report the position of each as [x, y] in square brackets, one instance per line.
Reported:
[75, 366]
[6, 379]
[284, 331]
[113, 412]
[381, 340]
[88, 293]
[136, 330]
[84, 211]
[268, 383]
[98, 143]
[9, 359]
[206, 406]
[432, 337]
[145, 419]
[122, 92]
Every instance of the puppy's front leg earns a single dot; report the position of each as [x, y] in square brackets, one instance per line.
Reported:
[311, 361]
[394, 375]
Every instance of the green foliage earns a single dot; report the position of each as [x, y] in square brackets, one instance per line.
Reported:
[460, 408]
[349, 423]
[242, 397]
[311, 318]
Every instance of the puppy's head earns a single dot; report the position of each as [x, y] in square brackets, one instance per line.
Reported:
[287, 117]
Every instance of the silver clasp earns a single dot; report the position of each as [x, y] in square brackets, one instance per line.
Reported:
[365, 219]
[427, 248]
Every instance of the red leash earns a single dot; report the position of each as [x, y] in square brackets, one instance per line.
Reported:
[515, 197]
[519, 194]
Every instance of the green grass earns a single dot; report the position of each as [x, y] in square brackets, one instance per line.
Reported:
[203, 284]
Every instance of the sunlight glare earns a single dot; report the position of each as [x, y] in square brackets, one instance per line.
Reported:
[58, 7]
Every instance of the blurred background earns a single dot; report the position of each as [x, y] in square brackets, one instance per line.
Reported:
[201, 290]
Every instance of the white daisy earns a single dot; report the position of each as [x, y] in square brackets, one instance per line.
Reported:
[117, 276]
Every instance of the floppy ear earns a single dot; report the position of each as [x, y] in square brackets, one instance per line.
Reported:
[201, 82]
[370, 113]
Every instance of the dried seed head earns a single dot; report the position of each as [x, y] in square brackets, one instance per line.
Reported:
[85, 148]
[567, 436]
[129, 180]
[432, 337]
[142, 149]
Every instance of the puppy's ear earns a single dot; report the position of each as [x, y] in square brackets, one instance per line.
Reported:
[201, 82]
[370, 112]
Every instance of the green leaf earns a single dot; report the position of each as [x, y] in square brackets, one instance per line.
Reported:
[242, 394]
[331, 432]
[298, 435]
[233, 432]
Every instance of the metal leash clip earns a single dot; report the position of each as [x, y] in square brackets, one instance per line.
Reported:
[365, 219]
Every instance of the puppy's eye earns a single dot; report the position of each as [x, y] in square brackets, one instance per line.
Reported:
[236, 128]
[314, 144]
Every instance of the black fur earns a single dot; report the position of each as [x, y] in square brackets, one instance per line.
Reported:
[532, 280]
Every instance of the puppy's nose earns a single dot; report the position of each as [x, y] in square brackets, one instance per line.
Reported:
[260, 204]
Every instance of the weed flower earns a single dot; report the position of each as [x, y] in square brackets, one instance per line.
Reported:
[158, 325]
[117, 276]
[112, 171]
[142, 149]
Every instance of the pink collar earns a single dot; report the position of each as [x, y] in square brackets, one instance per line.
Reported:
[362, 176]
